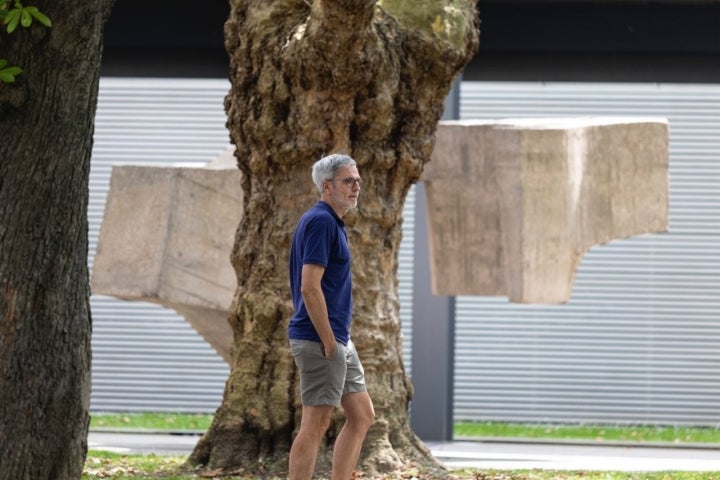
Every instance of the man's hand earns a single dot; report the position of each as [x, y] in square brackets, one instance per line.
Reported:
[329, 349]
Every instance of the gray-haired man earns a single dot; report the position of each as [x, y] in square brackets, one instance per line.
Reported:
[331, 374]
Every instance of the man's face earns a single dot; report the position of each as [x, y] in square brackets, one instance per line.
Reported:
[343, 190]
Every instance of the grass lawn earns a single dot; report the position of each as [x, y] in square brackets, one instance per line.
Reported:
[107, 465]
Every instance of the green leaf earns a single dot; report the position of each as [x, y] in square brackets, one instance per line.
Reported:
[39, 16]
[3, 62]
[25, 19]
[8, 75]
[12, 19]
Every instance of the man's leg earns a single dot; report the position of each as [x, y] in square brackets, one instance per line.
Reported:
[303, 453]
[360, 415]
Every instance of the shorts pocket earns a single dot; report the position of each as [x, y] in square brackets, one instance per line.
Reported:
[308, 355]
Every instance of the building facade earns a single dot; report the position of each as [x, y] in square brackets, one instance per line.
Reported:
[638, 341]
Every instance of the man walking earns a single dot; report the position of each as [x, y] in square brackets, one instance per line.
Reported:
[331, 374]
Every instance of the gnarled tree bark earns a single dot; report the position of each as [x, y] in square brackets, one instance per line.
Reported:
[363, 77]
[46, 120]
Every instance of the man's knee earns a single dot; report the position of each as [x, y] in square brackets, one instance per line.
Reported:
[316, 418]
[359, 411]
[368, 417]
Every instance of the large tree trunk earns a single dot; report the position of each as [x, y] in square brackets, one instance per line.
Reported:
[46, 120]
[363, 77]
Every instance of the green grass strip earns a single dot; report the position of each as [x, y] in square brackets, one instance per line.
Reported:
[152, 421]
[598, 433]
[631, 434]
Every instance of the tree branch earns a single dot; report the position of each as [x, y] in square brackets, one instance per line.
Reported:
[336, 48]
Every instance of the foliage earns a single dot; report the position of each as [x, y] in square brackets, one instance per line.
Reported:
[7, 74]
[11, 17]
[20, 15]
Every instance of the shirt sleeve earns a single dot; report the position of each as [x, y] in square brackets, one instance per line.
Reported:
[318, 239]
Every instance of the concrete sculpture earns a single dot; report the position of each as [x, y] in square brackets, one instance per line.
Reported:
[513, 205]
[166, 238]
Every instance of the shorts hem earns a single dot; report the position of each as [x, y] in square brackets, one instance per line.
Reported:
[358, 389]
[320, 403]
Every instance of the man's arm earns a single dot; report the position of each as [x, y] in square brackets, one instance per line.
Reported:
[315, 304]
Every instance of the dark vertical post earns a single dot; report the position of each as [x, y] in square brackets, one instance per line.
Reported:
[433, 329]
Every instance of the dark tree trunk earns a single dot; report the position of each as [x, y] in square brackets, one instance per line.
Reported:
[361, 77]
[46, 120]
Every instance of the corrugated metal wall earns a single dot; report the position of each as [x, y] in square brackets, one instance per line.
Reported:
[405, 277]
[639, 341]
[146, 357]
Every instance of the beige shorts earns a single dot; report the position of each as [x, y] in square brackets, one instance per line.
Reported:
[323, 381]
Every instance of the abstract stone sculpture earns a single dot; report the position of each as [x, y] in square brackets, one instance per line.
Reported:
[513, 205]
[166, 238]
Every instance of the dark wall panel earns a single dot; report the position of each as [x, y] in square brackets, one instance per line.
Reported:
[600, 27]
[520, 40]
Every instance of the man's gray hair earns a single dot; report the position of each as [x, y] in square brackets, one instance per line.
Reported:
[327, 167]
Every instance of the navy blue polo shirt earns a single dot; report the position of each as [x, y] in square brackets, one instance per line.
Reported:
[320, 239]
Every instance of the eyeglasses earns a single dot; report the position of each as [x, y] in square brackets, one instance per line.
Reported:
[349, 181]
